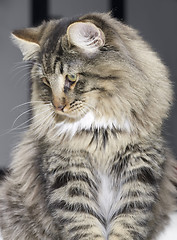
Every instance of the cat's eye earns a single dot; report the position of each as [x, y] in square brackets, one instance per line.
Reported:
[71, 77]
[70, 81]
[46, 81]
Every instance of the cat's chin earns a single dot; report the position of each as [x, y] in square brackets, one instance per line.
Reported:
[68, 117]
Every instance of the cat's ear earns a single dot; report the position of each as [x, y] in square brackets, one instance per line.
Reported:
[28, 41]
[86, 36]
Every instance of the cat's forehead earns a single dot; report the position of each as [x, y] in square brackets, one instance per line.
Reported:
[55, 62]
[54, 51]
[51, 40]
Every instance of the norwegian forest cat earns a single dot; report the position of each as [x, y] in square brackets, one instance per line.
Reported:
[93, 163]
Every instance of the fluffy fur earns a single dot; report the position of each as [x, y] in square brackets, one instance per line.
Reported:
[93, 163]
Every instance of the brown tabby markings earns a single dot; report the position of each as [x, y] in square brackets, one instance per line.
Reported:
[93, 163]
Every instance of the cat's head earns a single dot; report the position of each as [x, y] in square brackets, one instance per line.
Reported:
[95, 72]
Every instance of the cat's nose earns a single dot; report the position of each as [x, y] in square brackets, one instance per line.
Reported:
[60, 107]
[59, 104]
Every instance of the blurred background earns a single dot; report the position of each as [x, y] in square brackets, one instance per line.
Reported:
[156, 21]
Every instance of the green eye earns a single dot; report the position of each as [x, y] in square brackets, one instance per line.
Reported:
[71, 77]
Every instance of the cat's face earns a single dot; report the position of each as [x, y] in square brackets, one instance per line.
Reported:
[75, 74]
[87, 72]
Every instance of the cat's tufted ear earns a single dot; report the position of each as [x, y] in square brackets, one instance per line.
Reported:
[28, 41]
[86, 36]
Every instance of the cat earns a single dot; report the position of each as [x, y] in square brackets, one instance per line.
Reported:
[93, 163]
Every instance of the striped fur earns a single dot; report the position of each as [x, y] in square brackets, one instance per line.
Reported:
[93, 163]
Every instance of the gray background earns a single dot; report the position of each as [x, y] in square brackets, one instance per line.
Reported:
[155, 19]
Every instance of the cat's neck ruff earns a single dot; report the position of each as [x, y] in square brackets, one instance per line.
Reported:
[89, 122]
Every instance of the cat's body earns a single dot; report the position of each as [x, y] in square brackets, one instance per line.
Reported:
[93, 164]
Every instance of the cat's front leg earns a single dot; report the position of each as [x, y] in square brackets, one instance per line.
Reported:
[127, 227]
[135, 214]
[75, 213]
[133, 221]
[71, 194]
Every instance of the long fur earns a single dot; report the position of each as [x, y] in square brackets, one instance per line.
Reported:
[93, 163]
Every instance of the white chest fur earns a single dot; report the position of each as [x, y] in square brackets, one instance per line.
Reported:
[108, 199]
[106, 195]
[89, 121]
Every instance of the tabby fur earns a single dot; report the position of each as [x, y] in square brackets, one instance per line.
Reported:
[93, 163]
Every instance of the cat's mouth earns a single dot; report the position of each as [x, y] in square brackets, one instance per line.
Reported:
[74, 110]
[62, 110]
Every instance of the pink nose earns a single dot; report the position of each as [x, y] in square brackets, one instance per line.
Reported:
[59, 105]
[61, 108]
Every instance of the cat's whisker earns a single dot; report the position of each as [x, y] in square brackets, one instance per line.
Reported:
[20, 69]
[40, 101]
[29, 110]
[19, 128]
[29, 103]
[19, 63]
[20, 105]
[43, 120]
[23, 66]
[25, 127]
[23, 63]
[26, 103]
[24, 71]
[9, 131]
[36, 115]
[25, 76]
